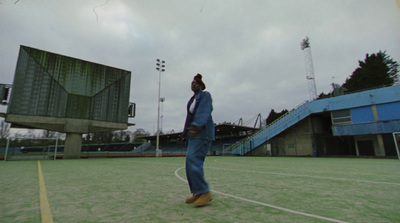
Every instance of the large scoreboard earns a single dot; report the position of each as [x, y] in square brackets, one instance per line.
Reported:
[65, 94]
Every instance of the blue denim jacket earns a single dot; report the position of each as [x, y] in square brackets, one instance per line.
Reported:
[201, 117]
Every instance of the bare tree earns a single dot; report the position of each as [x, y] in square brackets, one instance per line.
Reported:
[4, 129]
[49, 134]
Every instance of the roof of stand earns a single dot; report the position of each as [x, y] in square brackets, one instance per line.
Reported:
[220, 130]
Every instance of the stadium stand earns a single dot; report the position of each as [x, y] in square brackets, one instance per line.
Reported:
[225, 133]
[357, 124]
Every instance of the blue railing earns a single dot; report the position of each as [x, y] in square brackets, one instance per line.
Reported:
[289, 119]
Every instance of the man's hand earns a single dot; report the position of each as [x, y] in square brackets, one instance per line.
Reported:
[193, 131]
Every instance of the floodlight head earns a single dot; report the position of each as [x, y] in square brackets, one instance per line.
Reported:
[158, 60]
[163, 70]
[305, 43]
[158, 68]
[163, 61]
[158, 64]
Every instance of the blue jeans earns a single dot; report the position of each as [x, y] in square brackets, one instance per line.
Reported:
[196, 153]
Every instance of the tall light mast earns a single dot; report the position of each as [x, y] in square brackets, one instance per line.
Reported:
[161, 68]
[312, 87]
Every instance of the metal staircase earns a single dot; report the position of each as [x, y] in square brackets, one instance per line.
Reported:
[289, 119]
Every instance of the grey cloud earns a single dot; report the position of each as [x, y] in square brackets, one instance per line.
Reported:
[248, 51]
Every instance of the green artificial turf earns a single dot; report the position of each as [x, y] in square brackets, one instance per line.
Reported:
[245, 189]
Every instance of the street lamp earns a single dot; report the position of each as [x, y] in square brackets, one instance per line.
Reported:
[160, 66]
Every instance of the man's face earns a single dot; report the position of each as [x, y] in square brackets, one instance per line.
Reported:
[195, 86]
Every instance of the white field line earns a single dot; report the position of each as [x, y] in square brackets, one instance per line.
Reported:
[154, 163]
[266, 205]
[283, 174]
[299, 175]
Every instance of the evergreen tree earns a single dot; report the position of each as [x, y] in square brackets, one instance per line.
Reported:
[274, 115]
[375, 71]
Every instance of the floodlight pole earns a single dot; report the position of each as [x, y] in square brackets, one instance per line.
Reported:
[312, 88]
[160, 66]
[162, 112]
[8, 144]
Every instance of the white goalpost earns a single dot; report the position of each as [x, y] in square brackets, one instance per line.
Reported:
[31, 148]
[396, 138]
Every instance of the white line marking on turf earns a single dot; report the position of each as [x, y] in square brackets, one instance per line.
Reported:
[266, 205]
[152, 163]
[317, 177]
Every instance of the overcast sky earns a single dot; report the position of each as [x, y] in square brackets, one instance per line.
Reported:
[247, 50]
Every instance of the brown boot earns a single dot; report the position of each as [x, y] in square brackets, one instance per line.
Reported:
[202, 200]
[192, 198]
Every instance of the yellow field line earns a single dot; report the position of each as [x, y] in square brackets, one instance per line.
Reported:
[44, 201]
